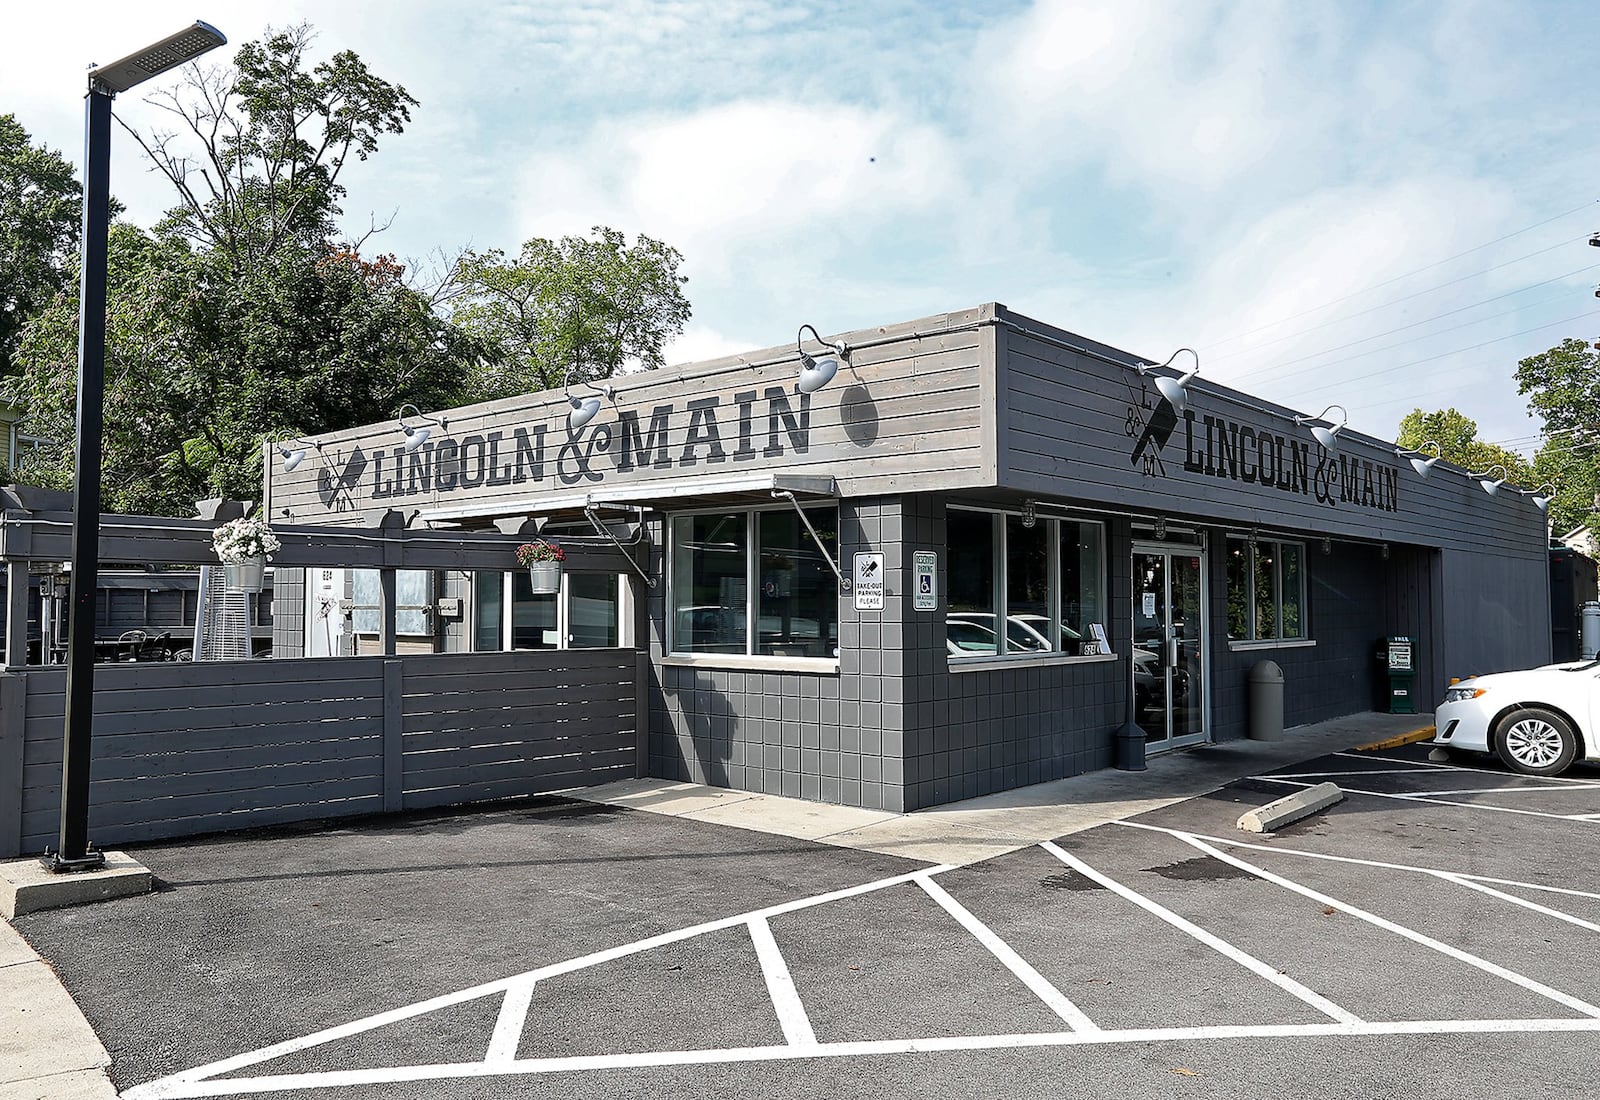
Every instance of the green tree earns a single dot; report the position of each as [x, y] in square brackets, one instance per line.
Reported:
[1457, 437]
[595, 305]
[258, 158]
[1562, 385]
[202, 366]
[40, 208]
[241, 319]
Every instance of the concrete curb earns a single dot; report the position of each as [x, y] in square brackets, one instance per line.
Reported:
[1290, 808]
[1410, 737]
[47, 1049]
[26, 887]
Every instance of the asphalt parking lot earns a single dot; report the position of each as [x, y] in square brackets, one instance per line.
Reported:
[1432, 935]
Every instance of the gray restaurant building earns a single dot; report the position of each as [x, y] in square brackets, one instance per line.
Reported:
[947, 571]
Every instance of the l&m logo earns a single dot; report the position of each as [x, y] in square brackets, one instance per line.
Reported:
[1152, 425]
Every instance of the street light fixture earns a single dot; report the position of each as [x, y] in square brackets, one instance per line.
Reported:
[72, 851]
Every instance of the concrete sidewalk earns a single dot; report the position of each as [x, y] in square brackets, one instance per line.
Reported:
[966, 832]
[49, 1052]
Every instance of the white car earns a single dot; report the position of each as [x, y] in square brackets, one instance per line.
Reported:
[1538, 721]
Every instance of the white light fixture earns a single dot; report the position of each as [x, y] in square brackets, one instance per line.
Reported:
[1541, 496]
[292, 456]
[1490, 483]
[584, 409]
[1175, 390]
[415, 434]
[816, 373]
[1327, 435]
[1420, 463]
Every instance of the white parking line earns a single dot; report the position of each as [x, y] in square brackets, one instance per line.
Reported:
[780, 986]
[172, 1089]
[1418, 764]
[1398, 929]
[1513, 790]
[1216, 943]
[1233, 842]
[1586, 818]
[508, 1025]
[1035, 981]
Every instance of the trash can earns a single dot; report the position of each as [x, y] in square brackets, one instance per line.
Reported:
[1396, 655]
[1266, 701]
[1589, 630]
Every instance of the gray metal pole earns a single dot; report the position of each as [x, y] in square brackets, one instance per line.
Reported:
[72, 852]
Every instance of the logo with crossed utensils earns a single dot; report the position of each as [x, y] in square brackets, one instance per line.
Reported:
[1152, 431]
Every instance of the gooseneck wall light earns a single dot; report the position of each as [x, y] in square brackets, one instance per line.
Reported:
[1326, 434]
[1490, 483]
[416, 434]
[1541, 496]
[584, 409]
[1418, 456]
[105, 81]
[293, 452]
[1175, 390]
[816, 373]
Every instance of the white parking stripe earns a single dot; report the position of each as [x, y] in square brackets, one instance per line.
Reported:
[356, 1027]
[508, 1025]
[171, 1089]
[1233, 842]
[1440, 801]
[1244, 959]
[780, 986]
[1512, 790]
[1398, 929]
[1329, 775]
[1415, 764]
[1035, 981]
[1462, 880]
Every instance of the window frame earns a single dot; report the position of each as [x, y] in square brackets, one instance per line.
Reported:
[1252, 640]
[507, 614]
[752, 611]
[999, 520]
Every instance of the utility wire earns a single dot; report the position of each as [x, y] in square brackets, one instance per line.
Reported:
[1398, 278]
[1445, 354]
[1426, 320]
[1396, 301]
[1398, 343]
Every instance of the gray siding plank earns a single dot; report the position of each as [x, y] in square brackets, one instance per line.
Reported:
[12, 754]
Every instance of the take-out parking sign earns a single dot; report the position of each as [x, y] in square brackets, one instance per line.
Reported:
[867, 581]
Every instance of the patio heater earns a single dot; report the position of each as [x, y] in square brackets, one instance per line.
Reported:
[72, 852]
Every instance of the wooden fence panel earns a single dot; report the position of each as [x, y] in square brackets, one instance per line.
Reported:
[187, 748]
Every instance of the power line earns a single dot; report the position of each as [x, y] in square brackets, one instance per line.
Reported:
[1407, 275]
[1396, 301]
[1399, 343]
[1446, 354]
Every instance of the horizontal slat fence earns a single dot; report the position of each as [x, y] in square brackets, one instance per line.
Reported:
[185, 748]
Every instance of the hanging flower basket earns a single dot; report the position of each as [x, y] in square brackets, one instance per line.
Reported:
[244, 545]
[543, 561]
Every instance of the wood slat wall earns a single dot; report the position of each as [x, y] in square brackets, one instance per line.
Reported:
[264, 742]
[1066, 430]
[908, 412]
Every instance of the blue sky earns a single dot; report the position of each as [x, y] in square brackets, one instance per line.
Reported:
[1381, 205]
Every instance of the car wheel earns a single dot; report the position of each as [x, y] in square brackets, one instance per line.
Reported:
[1535, 741]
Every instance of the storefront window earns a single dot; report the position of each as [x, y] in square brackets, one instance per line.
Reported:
[508, 614]
[489, 599]
[1052, 582]
[1082, 581]
[533, 615]
[592, 610]
[970, 621]
[797, 613]
[1266, 590]
[710, 571]
[796, 602]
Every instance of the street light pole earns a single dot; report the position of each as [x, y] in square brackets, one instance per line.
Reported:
[73, 852]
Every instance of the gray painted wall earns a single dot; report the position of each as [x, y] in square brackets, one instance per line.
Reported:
[1495, 614]
[259, 742]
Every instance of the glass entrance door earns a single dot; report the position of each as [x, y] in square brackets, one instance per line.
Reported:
[1169, 650]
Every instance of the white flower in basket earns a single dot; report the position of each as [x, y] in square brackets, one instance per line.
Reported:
[245, 539]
